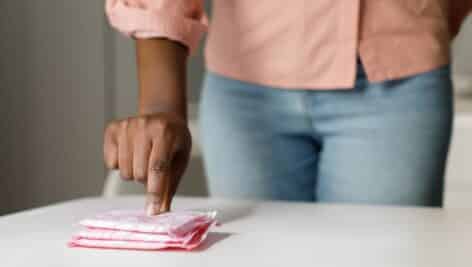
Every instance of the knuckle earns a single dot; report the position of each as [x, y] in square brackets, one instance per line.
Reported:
[158, 125]
[153, 197]
[162, 126]
[141, 132]
[124, 124]
[159, 167]
[141, 121]
[111, 128]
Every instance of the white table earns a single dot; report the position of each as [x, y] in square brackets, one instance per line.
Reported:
[255, 234]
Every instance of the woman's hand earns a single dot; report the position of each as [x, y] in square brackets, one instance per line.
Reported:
[153, 149]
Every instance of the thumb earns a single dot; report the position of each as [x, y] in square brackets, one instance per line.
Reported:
[110, 146]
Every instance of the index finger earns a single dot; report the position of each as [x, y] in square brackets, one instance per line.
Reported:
[159, 176]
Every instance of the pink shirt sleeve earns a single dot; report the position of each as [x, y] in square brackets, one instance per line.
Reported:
[183, 21]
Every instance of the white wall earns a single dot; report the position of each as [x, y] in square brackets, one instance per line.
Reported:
[51, 101]
[462, 49]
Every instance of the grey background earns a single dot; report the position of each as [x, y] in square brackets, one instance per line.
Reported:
[51, 101]
[63, 74]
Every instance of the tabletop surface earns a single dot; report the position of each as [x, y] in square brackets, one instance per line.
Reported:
[254, 234]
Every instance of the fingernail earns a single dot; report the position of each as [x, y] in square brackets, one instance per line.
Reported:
[151, 210]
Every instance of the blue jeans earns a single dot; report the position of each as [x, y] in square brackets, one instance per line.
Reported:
[378, 143]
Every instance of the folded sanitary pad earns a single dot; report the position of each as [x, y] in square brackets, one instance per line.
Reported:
[129, 229]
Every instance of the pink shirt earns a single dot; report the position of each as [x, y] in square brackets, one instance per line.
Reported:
[303, 44]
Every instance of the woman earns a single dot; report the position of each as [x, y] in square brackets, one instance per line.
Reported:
[342, 101]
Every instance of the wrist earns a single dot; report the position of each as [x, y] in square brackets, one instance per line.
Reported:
[178, 113]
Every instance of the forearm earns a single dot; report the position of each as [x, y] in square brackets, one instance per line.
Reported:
[162, 77]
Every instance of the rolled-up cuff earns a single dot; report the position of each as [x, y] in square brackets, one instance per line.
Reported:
[146, 24]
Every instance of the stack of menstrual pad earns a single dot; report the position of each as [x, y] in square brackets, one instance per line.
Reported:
[128, 229]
